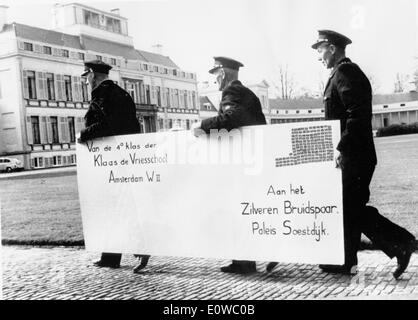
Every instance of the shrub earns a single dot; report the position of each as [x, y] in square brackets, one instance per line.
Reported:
[396, 129]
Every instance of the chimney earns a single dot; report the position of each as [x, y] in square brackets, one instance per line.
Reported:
[115, 11]
[157, 48]
[3, 16]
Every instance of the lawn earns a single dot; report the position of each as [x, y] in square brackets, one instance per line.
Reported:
[45, 210]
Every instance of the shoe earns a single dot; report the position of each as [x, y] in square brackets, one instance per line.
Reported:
[271, 266]
[342, 269]
[241, 268]
[102, 264]
[403, 259]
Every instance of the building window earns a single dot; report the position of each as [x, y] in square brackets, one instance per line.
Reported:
[145, 67]
[297, 111]
[47, 50]
[183, 75]
[155, 68]
[113, 61]
[99, 57]
[91, 18]
[113, 25]
[35, 130]
[130, 88]
[38, 162]
[67, 85]
[170, 123]
[73, 159]
[50, 86]
[56, 160]
[174, 72]
[187, 124]
[27, 46]
[31, 84]
[309, 111]
[84, 89]
[81, 56]
[65, 53]
[71, 127]
[158, 93]
[54, 127]
[165, 71]
[161, 123]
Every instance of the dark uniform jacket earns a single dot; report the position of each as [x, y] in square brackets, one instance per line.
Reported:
[111, 112]
[239, 107]
[348, 97]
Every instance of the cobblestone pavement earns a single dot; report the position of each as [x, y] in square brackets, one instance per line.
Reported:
[67, 273]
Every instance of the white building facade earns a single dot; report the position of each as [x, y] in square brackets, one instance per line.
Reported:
[43, 99]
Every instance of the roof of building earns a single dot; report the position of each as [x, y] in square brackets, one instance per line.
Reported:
[47, 36]
[84, 42]
[158, 59]
[204, 100]
[109, 47]
[395, 97]
[318, 103]
[296, 104]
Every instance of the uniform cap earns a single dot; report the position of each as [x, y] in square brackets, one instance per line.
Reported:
[96, 66]
[224, 62]
[331, 37]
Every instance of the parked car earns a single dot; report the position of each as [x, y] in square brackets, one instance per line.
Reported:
[10, 164]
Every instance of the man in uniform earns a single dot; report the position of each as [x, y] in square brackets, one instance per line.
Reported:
[111, 112]
[348, 98]
[239, 107]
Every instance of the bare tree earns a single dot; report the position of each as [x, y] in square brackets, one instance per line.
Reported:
[287, 84]
[373, 83]
[401, 82]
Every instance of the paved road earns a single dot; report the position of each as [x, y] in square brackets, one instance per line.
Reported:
[67, 273]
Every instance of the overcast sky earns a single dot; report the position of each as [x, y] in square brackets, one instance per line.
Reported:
[262, 34]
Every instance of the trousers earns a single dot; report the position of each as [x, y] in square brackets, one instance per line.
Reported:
[360, 218]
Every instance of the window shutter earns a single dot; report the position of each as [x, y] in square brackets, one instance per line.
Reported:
[45, 93]
[43, 129]
[20, 45]
[74, 88]
[29, 130]
[66, 127]
[63, 136]
[79, 124]
[58, 89]
[73, 55]
[152, 88]
[62, 85]
[78, 93]
[61, 129]
[40, 88]
[25, 85]
[49, 129]
[142, 92]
